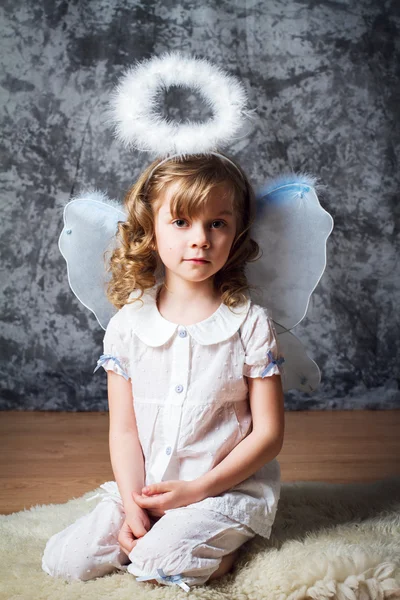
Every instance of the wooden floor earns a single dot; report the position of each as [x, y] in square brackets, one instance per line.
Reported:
[51, 457]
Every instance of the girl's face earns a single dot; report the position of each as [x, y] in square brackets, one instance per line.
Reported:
[209, 236]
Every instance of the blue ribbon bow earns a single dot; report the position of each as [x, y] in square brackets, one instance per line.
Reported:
[104, 358]
[278, 362]
[173, 579]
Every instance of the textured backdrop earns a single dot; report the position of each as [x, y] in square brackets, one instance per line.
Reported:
[324, 79]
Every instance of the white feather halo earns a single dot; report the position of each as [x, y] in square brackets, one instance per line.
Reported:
[133, 113]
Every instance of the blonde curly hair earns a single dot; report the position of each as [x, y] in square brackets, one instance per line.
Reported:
[134, 261]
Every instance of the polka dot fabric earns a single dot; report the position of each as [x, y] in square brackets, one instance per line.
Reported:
[191, 395]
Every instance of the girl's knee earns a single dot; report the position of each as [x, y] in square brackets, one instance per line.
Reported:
[76, 566]
[73, 558]
[87, 548]
[53, 562]
[61, 560]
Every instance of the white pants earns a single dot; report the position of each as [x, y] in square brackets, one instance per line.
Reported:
[184, 547]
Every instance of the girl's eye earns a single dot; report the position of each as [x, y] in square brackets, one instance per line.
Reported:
[177, 221]
[222, 223]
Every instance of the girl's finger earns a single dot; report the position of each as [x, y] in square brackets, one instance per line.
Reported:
[126, 538]
[146, 502]
[152, 502]
[126, 550]
[156, 488]
[155, 514]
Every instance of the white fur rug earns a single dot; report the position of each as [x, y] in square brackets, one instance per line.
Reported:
[329, 541]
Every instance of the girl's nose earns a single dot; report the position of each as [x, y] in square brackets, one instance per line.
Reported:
[200, 236]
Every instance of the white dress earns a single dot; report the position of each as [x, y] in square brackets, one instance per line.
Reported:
[191, 396]
[191, 406]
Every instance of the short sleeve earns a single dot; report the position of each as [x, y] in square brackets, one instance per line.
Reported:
[116, 349]
[260, 341]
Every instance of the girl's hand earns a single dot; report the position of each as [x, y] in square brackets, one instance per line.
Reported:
[136, 525]
[159, 497]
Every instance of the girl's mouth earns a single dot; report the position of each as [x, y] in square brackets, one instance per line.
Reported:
[198, 260]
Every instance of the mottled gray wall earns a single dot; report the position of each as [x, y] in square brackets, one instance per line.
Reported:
[324, 77]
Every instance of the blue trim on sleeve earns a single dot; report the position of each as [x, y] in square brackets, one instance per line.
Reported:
[106, 357]
[278, 362]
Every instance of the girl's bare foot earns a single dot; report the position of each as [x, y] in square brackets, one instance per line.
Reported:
[225, 565]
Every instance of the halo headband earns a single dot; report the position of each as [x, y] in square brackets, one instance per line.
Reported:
[137, 123]
[180, 156]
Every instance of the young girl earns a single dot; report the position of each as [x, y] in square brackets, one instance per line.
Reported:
[194, 388]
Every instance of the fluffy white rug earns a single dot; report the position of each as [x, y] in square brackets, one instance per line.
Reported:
[329, 541]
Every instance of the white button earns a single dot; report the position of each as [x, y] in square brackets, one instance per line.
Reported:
[168, 450]
[179, 388]
[182, 333]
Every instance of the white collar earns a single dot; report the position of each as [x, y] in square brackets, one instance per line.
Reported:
[154, 330]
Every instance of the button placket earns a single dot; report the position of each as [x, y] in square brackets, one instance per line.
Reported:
[176, 395]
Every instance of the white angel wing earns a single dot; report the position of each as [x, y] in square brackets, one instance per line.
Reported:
[299, 370]
[291, 229]
[90, 225]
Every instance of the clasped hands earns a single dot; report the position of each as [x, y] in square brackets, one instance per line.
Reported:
[154, 500]
[159, 497]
